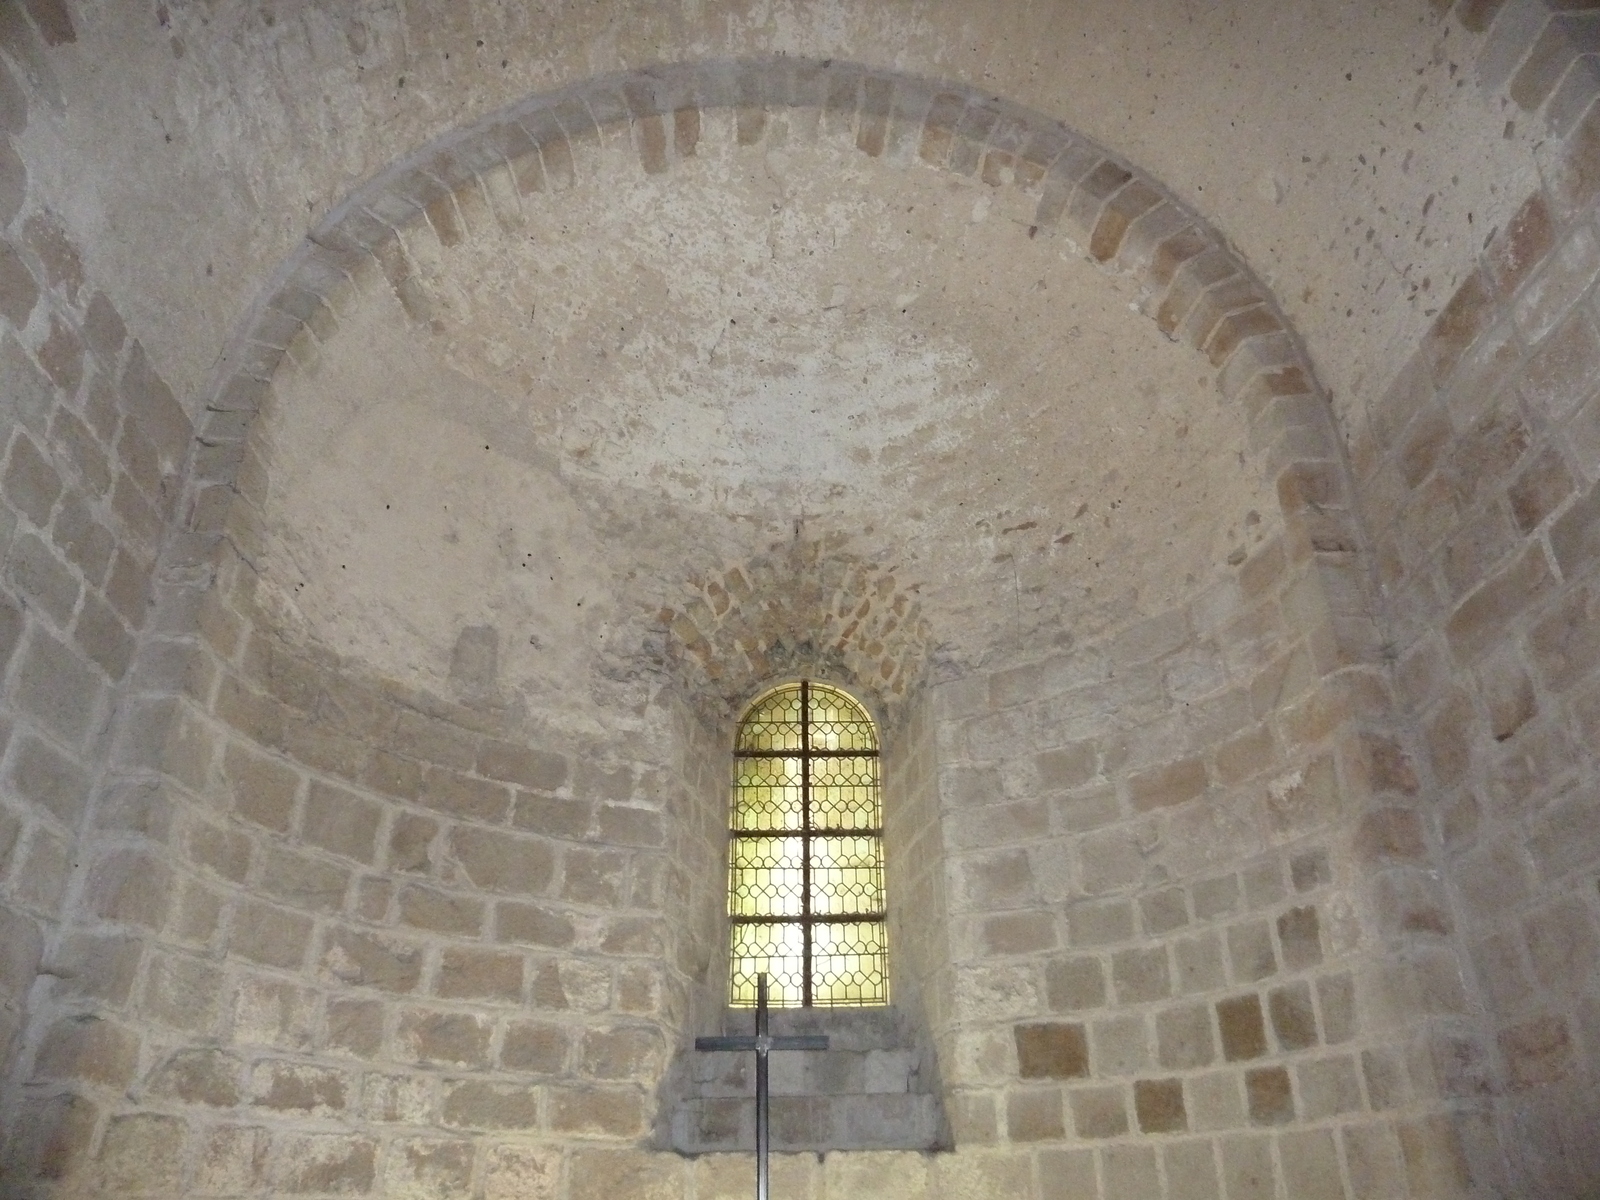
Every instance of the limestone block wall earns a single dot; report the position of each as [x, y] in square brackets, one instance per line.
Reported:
[1478, 478]
[369, 940]
[95, 446]
[1193, 904]
[1166, 962]
[914, 870]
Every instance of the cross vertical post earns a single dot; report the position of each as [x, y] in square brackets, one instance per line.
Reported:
[762, 1043]
[763, 1132]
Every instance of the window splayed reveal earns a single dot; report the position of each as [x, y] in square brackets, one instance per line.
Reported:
[805, 860]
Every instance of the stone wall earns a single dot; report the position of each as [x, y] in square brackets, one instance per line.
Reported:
[1478, 478]
[1160, 914]
[372, 935]
[915, 878]
[383, 941]
[95, 449]
[1254, 898]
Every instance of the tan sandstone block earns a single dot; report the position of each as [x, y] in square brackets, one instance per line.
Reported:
[1051, 1051]
[1310, 1161]
[636, 1174]
[300, 1088]
[982, 1175]
[430, 1036]
[480, 1105]
[325, 1162]
[1100, 1112]
[1034, 1115]
[1244, 1034]
[200, 1075]
[605, 1112]
[88, 1048]
[522, 1173]
[886, 1174]
[1066, 1174]
[141, 1152]
[1191, 1170]
[480, 975]
[1247, 1168]
[427, 1168]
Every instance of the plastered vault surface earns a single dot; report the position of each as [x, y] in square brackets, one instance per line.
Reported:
[663, 375]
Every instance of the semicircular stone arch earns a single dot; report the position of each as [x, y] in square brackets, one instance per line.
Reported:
[1191, 283]
[448, 831]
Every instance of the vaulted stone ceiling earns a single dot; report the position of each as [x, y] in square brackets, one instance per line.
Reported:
[771, 343]
[1340, 145]
[658, 376]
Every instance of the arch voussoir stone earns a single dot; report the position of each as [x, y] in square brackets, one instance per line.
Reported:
[1197, 288]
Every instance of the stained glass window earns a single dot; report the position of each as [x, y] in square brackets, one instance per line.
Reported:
[805, 858]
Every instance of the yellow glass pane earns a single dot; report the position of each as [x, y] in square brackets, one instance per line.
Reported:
[846, 875]
[772, 723]
[766, 877]
[777, 949]
[838, 722]
[807, 767]
[766, 793]
[849, 964]
[844, 793]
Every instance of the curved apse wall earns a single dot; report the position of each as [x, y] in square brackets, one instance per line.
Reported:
[367, 907]
[1014, 928]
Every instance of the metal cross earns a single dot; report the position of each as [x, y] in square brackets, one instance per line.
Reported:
[761, 1044]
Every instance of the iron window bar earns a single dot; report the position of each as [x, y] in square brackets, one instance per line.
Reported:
[806, 834]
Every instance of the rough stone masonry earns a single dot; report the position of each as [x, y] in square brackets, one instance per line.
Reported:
[426, 424]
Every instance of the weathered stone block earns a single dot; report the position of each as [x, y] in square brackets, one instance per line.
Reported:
[269, 935]
[430, 1036]
[1035, 1115]
[341, 821]
[537, 1046]
[411, 842]
[1244, 1034]
[533, 925]
[355, 1026]
[440, 911]
[466, 973]
[606, 1112]
[88, 1048]
[1300, 936]
[1184, 1038]
[524, 1173]
[45, 777]
[1051, 1051]
[203, 1075]
[368, 960]
[504, 862]
[1100, 1112]
[300, 1088]
[1074, 984]
[141, 1153]
[1250, 950]
[1140, 975]
[325, 1163]
[1159, 1106]
[1174, 784]
[1293, 1018]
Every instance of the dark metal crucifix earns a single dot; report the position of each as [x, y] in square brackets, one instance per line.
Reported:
[761, 1044]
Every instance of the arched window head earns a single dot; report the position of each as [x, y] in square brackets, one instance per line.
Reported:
[805, 856]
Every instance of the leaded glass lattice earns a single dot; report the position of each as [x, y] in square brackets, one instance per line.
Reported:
[805, 864]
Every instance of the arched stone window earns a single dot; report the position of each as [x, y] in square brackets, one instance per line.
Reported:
[805, 856]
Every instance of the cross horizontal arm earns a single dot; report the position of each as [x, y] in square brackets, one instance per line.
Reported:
[806, 1042]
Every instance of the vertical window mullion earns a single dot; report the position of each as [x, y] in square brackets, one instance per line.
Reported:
[791, 728]
[805, 842]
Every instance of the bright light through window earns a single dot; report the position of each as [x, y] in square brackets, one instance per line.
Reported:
[805, 859]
